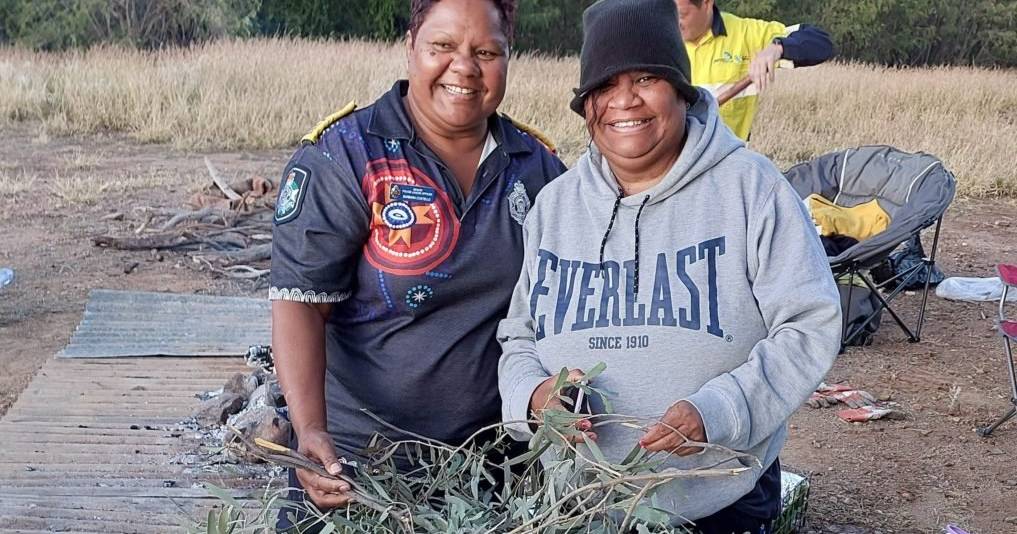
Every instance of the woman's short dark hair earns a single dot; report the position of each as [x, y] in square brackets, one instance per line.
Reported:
[420, 8]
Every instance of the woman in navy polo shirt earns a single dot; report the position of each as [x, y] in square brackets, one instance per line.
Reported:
[397, 241]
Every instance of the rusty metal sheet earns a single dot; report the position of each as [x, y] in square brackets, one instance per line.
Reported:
[120, 324]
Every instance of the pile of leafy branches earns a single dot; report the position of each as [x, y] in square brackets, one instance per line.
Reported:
[469, 488]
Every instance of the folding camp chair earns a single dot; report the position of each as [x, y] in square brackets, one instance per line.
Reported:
[1007, 329]
[914, 189]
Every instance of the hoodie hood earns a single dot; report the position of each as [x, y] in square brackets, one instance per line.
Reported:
[709, 141]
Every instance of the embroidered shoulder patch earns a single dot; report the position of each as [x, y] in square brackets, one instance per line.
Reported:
[291, 195]
[313, 135]
[533, 132]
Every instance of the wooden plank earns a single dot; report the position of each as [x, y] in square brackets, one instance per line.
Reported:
[110, 449]
[125, 384]
[141, 362]
[114, 402]
[30, 510]
[98, 429]
[141, 504]
[151, 493]
[147, 364]
[168, 371]
[141, 395]
[176, 413]
[90, 481]
[95, 419]
[74, 439]
[78, 390]
[138, 524]
[84, 458]
[135, 469]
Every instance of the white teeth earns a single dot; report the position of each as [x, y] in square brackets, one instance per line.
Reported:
[629, 124]
[454, 89]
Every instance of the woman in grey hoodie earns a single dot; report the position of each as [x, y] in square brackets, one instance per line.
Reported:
[684, 261]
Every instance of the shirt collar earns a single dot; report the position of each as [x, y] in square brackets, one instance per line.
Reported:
[718, 22]
[391, 121]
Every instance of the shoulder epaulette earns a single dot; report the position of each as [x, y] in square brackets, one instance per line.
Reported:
[313, 135]
[535, 133]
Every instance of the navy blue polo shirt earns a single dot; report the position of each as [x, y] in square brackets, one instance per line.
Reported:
[370, 220]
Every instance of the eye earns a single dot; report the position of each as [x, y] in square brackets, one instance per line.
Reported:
[646, 80]
[443, 46]
[486, 54]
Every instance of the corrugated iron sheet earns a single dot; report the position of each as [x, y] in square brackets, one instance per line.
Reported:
[131, 323]
[94, 446]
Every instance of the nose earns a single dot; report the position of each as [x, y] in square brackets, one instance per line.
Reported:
[624, 96]
[464, 65]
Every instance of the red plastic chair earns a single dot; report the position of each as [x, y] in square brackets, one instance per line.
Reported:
[1008, 329]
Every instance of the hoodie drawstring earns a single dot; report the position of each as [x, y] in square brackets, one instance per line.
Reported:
[635, 284]
[610, 225]
[607, 233]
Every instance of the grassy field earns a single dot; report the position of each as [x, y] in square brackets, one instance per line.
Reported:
[267, 93]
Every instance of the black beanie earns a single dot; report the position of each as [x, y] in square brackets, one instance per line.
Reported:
[632, 35]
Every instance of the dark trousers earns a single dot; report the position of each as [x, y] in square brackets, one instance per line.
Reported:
[754, 513]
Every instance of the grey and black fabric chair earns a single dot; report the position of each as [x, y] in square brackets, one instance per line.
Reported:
[914, 189]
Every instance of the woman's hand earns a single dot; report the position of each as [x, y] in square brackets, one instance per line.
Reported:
[683, 417]
[545, 398]
[324, 492]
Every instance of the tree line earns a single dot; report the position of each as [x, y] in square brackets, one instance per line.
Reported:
[890, 32]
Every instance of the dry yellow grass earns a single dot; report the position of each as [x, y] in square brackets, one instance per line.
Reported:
[267, 93]
[78, 189]
[13, 184]
[80, 159]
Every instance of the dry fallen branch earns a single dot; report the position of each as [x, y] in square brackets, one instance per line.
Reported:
[196, 215]
[227, 228]
[242, 272]
[220, 182]
[247, 255]
[148, 242]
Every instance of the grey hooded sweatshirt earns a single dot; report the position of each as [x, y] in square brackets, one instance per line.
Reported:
[713, 288]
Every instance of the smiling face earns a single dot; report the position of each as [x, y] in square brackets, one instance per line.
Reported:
[637, 120]
[694, 20]
[458, 63]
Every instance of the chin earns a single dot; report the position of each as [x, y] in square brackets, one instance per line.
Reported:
[628, 149]
[461, 120]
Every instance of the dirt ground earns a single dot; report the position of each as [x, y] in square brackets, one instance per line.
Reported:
[912, 475]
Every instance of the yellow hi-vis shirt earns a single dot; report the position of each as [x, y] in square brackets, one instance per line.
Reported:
[720, 61]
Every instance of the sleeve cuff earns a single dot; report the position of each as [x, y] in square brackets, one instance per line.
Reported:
[720, 421]
[517, 407]
[309, 297]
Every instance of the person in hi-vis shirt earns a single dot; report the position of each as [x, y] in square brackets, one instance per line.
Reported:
[724, 49]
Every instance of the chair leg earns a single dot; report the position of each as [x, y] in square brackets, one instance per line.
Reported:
[1010, 367]
[930, 263]
[845, 336]
[885, 305]
[986, 431]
